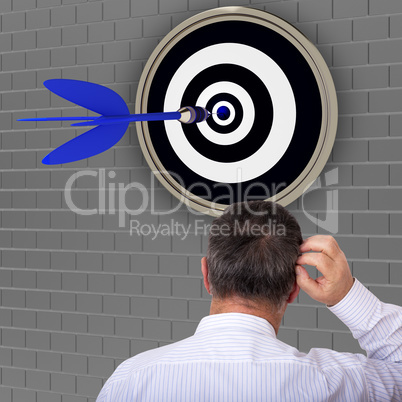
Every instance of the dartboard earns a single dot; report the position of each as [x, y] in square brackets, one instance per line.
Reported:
[272, 103]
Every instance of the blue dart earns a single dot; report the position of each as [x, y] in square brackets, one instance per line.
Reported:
[111, 124]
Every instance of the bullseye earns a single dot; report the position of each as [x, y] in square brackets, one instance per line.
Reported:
[223, 113]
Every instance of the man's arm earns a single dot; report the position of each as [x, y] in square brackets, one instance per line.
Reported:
[376, 325]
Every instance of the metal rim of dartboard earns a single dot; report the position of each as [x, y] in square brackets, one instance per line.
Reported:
[283, 109]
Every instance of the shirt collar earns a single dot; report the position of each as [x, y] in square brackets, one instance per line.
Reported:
[236, 321]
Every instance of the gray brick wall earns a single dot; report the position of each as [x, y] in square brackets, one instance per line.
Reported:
[78, 294]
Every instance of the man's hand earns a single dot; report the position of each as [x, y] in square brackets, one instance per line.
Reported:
[330, 260]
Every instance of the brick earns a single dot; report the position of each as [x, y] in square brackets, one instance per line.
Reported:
[63, 342]
[6, 81]
[49, 320]
[63, 301]
[5, 355]
[371, 223]
[139, 346]
[89, 12]
[14, 22]
[174, 6]
[128, 284]
[75, 73]
[173, 309]
[6, 45]
[157, 25]
[89, 54]
[36, 19]
[313, 10]
[44, 396]
[38, 180]
[335, 31]
[74, 281]
[24, 319]
[13, 298]
[101, 74]
[101, 32]
[314, 339]
[74, 364]
[13, 377]
[342, 78]
[38, 59]
[353, 102]
[116, 305]
[89, 386]
[49, 361]
[24, 358]
[89, 261]
[64, 383]
[63, 16]
[198, 309]
[38, 380]
[396, 175]
[395, 125]
[5, 278]
[73, 322]
[101, 283]
[13, 101]
[49, 37]
[396, 75]
[183, 329]
[13, 61]
[288, 11]
[88, 303]
[100, 367]
[157, 329]
[373, 28]
[157, 286]
[116, 347]
[354, 247]
[129, 327]
[385, 100]
[113, 10]
[396, 273]
[370, 175]
[385, 150]
[101, 241]
[140, 9]
[116, 262]
[385, 248]
[173, 265]
[141, 49]
[350, 54]
[89, 345]
[385, 6]
[144, 307]
[128, 29]
[388, 51]
[13, 140]
[23, 239]
[370, 77]
[186, 287]
[370, 126]
[24, 41]
[348, 9]
[13, 219]
[62, 57]
[49, 280]
[38, 220]
[48, 3]
[13, 338]
[119, 51]
[38, 300]
[5, 6]
[351, 151]
[371, 272]
[75, 35]
[38, 340]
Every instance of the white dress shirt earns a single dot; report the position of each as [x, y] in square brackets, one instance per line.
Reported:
[237, 357]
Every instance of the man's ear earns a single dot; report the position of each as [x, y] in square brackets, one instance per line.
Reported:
[204, 269]
[293, 293]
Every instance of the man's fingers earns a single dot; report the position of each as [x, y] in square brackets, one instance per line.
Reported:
[321, 261]
[325, 244]
[306, 283]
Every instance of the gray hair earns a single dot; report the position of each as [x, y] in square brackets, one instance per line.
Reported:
[252, 253]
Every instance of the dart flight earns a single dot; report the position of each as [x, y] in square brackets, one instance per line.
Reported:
[110, 125]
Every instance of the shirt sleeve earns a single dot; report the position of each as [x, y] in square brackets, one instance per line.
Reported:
[378, 328]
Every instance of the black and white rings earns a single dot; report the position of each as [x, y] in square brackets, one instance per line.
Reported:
[273, 106]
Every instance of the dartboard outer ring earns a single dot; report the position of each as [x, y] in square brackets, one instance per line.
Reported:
[317, 65]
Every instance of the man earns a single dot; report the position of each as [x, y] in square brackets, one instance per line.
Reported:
[253, 270]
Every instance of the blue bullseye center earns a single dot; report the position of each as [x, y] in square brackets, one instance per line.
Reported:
[223, 113]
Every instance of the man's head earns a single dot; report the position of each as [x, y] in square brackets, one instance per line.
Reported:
[252, 252]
